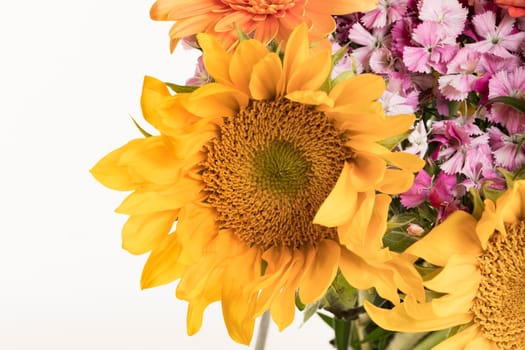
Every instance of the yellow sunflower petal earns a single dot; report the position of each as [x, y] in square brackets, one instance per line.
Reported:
[245, 57]
[143, 202]
[278, 261]
[215, 58]
[265, 77]
[362, 275]
[162, 265]
[455, 235]
[283, 305]
[339, 206]
[216, 100]
[358, 89]
[401, 160]
[142, 233]
[154, 92]
[306, 78]
[322, 271]
[197, 305]
[399, 319]
[512, 203]
[353, 233]
[295, 53]
[460, 340]
[240, 316]
[461, 270]
[482, 343]
[395, 181]
[366, 170]
[310, 97]
[111, 173]
[196, 228]
[489, 222]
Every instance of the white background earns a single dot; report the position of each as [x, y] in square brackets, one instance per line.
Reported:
[70, 75]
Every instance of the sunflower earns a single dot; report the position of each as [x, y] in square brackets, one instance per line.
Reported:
[274, 184]
[266, 20]
[481, 284]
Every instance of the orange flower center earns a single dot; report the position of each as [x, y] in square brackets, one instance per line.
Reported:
[261, 7]
[270, 169]
[499, 306]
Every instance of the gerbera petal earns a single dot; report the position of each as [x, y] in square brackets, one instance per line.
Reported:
[191, 25]
[339, 206]
[169, 9]
[265, 77]
[455, 235]
[215, 58]
[342, 7]
[266, 30]
[318, 276]
[142, 233]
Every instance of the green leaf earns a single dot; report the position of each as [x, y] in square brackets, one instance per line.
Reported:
[398, 241]
[342, 333]
[393, 141]
[181, 88]
[516, 103]
[431, 340]
[340, 297]
[453, 108]
[242, 35]
[477, 203]
[142, 131]
[310, 310]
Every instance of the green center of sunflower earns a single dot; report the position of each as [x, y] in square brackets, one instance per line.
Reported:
[281, 168]
[270, 169]
[499, 306]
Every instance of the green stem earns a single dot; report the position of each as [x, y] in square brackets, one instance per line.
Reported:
[342, 333]
[263, 331]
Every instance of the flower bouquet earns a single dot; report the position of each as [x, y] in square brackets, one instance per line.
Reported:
[355, 160]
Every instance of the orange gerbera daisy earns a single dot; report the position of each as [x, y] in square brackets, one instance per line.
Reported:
[265, 19]
[481, 280]
[272, 181]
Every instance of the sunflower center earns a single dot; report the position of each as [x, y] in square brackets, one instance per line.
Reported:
[499, 306]
[270, 169]
[280, 168]
[261, 7]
